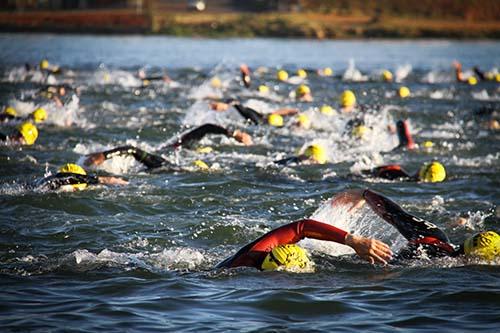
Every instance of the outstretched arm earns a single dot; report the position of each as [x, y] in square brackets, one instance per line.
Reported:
[253, 254]
[198, 133]
[149, 160]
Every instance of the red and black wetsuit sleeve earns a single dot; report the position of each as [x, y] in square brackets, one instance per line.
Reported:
[198, 133]
[416, 230]
[392, 171]
[149, 160]
[249, 114]
[60, 179]
[254, 253]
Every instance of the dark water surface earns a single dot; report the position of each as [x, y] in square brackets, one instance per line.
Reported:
[141, 257]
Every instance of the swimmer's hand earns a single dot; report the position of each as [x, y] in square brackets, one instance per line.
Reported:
[219, 106]
[243, 137]
[94, 159]
[369, 249]
[107, 180]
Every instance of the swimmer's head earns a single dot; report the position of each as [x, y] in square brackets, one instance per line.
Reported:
[201, 165]
[282, 75]
[215, 82]
[433, 172]
[485, 245]
[73, 168]
[302, 91]
[44, 64]
[316, 153]
[39, 115]
[404, 92]
[10, 111]
[301, 73]
[472, 80]
[359, 131]
[387, 75]
[263, 89]
[327, 71]
[275, 120]
[303, 121]
[326, 109]
[347, 99]
[29, 132]
[289, 256]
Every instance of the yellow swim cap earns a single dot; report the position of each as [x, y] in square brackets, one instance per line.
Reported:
[485, 245]
[29, 132]
[472, 80]
[263, 89]
[317, 153]
[387, 75]
[433, 172]
[347, 99]
[282, 75]
[39, 115]
[287, 256]
[404, 92]
[200, 164]
[10, 111]
[73, 168]
[327, 71]
[428, 144]
[301, 73]
[216, 82]
[302, 90]
[204, 150]
[497, 77]
[275, 120]
[303, 121]
[146, 83]
[326, 109]
[360, 131]
[44, 64]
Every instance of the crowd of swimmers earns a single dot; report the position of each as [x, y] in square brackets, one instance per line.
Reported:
[278, 249]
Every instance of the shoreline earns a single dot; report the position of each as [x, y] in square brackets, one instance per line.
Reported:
[245, 25]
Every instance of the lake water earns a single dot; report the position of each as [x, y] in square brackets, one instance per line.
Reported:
[140, 257]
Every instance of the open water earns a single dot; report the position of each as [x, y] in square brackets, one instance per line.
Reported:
[140, 258]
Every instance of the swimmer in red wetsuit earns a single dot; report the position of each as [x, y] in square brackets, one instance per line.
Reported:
[277, 248]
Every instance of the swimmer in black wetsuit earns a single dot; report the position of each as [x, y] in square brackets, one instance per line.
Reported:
[25, 134]
[274, 118]
[154, 161]
[72, 177]
[423, 236]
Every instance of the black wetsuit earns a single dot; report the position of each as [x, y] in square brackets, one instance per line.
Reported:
[5, 117]
[422, 235]
[54, 182]
[152, 161]
[391, 172]
[249, 114]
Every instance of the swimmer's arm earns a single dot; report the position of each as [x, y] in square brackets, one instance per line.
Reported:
[286, 112]
[198, 133]
[249, 114]
[108, 180]
[149, 160]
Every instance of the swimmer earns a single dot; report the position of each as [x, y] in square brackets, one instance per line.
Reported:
[45, 66]
[313, 154]
[147, 79]
[151, 161]
[433, 172]
[460, 76]
[274, 118]
[71, 177]
[423, 236]
[25, 134]
[10, 114]
[278, 247]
